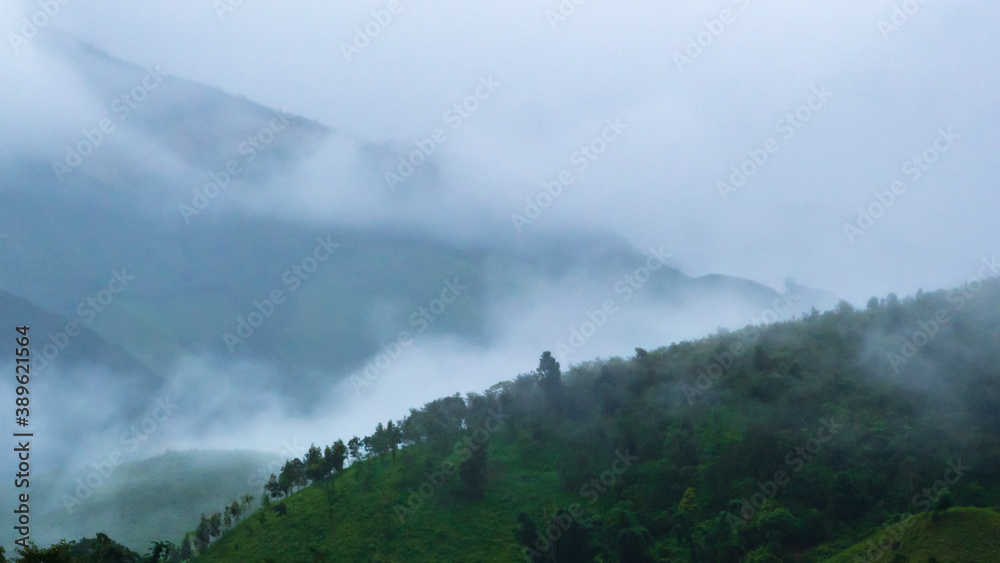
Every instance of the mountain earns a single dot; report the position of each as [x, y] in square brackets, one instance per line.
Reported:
[137, 503]
[788, 442]
[152, 222]
[150, 243]
[69, 343]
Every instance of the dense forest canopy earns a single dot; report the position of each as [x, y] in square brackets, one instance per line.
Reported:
[790, 441]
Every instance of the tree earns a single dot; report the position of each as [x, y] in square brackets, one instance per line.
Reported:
[683, 523]
[57, 553]
[443, 422]
[353, 446]
[273, 488]
[247, 499]
[330, 492]
[944, 502]
[333, 458]
[235, 510]
[473, 471]
[550, 375]
[721, 540]
[203, 535]
[300, 480]
[633, 537]
[527, 534]
[392, 437]
[314, 469]
[292, 475]
[377, 442]
[687, 504]
[186, 551]
[227, 518]
[574, 545]
[160, 551]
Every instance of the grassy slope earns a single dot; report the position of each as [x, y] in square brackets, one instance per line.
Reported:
[361, 524]
[818, 366]
[962, 534]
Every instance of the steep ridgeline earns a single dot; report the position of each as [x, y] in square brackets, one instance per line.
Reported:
[793, 440]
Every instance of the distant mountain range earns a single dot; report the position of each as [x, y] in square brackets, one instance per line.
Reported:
[132, 244]
[192, 276]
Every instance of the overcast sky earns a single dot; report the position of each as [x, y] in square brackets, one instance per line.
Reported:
[893, 83]
[807, 112]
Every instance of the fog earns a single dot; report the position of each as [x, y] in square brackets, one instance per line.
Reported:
[856, 145]
[891, 92]
[890, 95]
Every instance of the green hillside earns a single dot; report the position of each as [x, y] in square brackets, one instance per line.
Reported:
[787, 442]
[361, 525]
[958, 534]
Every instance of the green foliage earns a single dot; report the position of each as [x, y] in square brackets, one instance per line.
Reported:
[549, 373]
[473, 471]
[100, 549]
[527, 535]
[314, 467]
[272, 488]
[334, 456]
[803, 437]
[159, 551]
[960, 534]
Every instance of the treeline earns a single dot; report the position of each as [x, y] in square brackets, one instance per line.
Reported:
[769, 443]
[746, 445]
